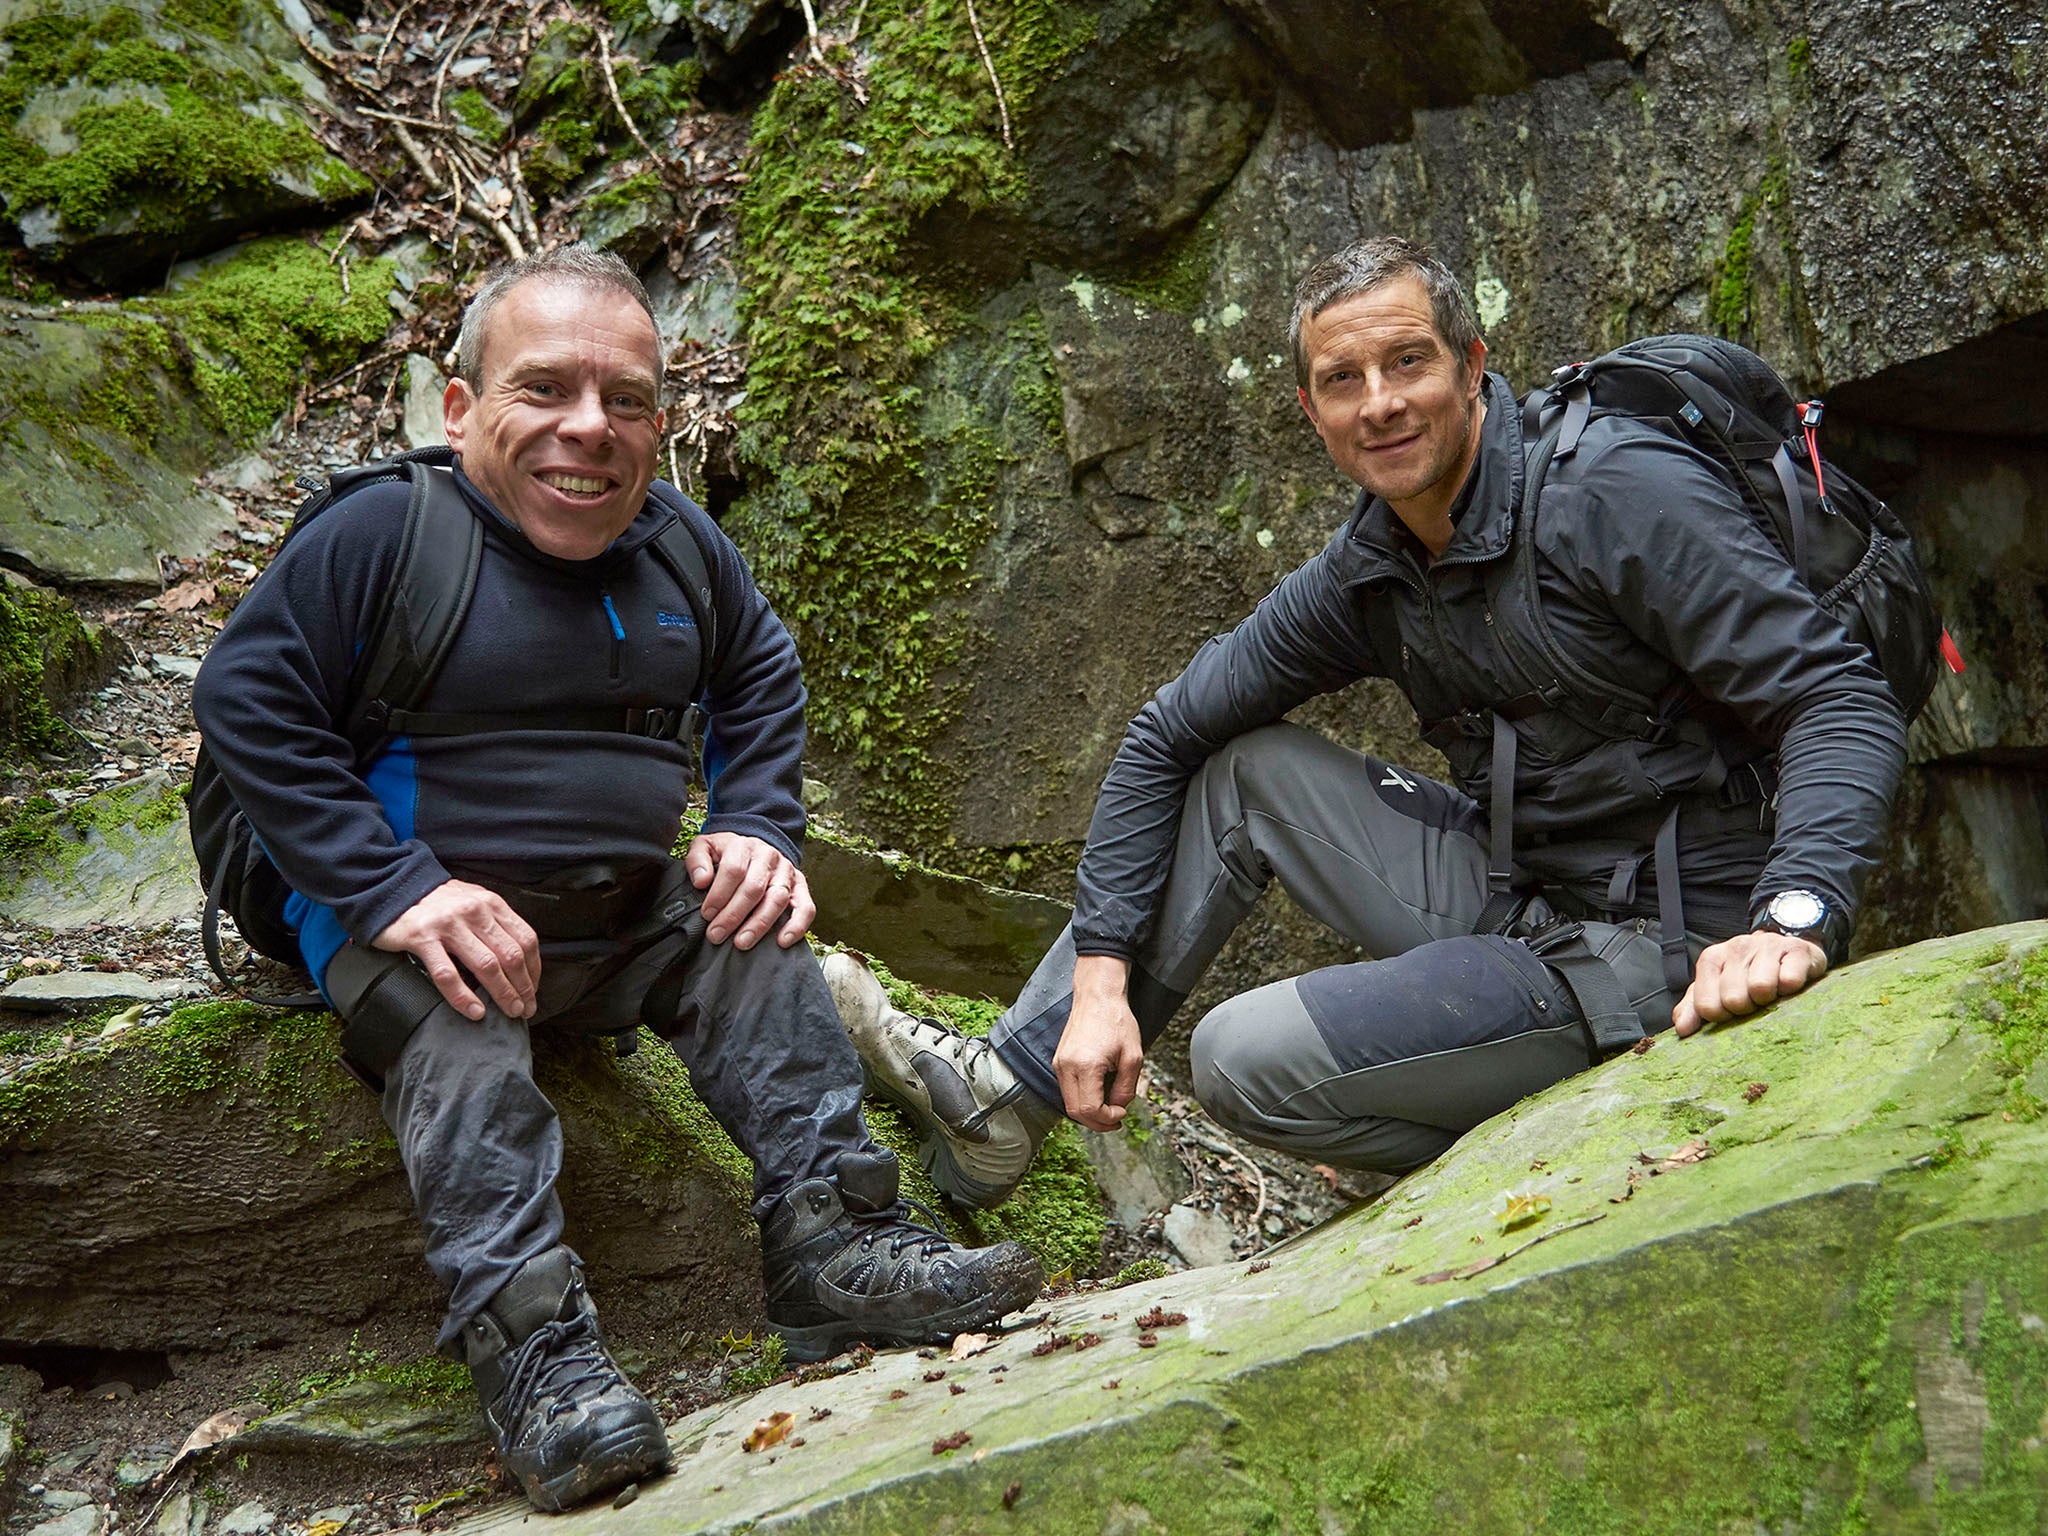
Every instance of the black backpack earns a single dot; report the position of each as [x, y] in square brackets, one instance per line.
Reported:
[421, 614]
[1846, 546]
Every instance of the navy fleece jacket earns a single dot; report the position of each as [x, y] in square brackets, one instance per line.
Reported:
[364, 842]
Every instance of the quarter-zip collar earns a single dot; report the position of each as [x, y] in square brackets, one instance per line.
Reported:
[1376, 544]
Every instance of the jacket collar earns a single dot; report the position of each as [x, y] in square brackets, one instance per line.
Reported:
[1376, 543]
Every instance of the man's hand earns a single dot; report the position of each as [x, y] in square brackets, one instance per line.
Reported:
[1739, 975]
[460, 922]
[1101, 1050]
[748, 885]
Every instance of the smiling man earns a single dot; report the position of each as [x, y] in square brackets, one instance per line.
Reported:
[498, 869]
[1652, 576]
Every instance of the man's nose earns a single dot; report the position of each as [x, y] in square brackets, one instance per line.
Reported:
[586, 417]
[1381, 400]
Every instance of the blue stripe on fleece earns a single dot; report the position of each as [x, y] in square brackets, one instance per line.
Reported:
[394, 779]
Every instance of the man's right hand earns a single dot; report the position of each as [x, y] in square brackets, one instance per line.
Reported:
[458, 921]
[1101, 1050]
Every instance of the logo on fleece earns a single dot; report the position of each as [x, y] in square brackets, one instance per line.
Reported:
[669, 620]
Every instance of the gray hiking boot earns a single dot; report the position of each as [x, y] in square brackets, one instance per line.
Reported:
[568, 1424]
[978, 1126]
[843, 1264]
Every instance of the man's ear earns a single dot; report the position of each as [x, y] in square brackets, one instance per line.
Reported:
[1475, 368]
[456, 401]
[1309, 409]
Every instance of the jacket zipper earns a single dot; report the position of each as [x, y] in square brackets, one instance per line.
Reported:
[618, 634]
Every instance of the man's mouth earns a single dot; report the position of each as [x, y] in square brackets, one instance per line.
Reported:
[1393, 445]
[577, 485]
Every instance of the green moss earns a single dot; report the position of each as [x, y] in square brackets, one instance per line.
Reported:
[16, 1042]
[768, 1367]
[1729, 309]
[474, 111]
[627, 194]
[1138, 1271]
[162, 159]
[866, 514]
[203, 1050]
[1799, 57]
[429, 1379]
[45, 836]
[2014, 1009]
[258, 323]
[46, 651]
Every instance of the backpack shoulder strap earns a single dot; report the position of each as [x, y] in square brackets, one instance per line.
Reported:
[423, 607]
[679, 549]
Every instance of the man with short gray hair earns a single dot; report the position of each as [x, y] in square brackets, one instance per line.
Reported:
[1782, 750]
[498, 867]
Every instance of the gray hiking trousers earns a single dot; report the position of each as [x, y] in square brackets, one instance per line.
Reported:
[1378, 1065]
[481, 1143]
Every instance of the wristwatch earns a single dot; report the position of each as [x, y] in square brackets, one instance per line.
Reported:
[1803, 915]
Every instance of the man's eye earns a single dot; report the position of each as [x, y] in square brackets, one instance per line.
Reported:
[541, 387]
[628, 403]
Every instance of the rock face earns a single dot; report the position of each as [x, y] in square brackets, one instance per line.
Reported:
[146, 131]
[1810, 1251]
[46, 655]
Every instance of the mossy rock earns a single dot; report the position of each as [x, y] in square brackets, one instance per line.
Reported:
[121, 856]
[144, 130]
[47, 654]
[1790, 1277]
[117, 407]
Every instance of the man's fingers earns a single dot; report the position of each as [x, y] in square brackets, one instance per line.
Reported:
[699, 861]
[495, 960]
[443, 973]
[1685, 1018]
[765, 909]
[1125, 1088]
[802, 910]
[720, 908]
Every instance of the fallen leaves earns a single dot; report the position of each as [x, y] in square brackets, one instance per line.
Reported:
[967, 1345]
[225, 1425]
[1053, 1342]
[1642, 1046]
[1148, 1341]
[187, 595]
[325, 1527]
[1520, 1210]
[1159, 1317]
[1259, 1266]
[934, 1375]
[1010, 1495]
[1754, 1092]
[1692, 1152]
[951, 1442]
[1087, 1341]
[772, 1430]
[1649, 1166]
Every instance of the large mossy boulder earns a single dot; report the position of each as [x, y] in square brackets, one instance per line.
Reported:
[121, 856]
[139, 131]
[116, 408]
[1787, 1276]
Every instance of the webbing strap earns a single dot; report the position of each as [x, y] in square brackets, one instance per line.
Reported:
[1795, 509]
[1502, 905]
[1578, 410]
[209, 938]
[1611, 1023]
[1671, 909]
[655, 724]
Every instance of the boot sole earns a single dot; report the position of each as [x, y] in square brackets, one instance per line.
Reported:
[624, 1456]
[1016, 1286]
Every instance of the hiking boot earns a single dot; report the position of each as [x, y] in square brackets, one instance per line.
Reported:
[569, 1426]
[844, 1264]
[978, 1126]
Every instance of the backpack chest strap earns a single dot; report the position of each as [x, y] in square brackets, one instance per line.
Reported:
[655, 724]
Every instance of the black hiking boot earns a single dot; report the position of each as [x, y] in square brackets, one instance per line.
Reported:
[845, 1265]
[569, 1426]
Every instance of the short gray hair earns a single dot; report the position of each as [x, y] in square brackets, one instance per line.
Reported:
[1365, 265]
[567, 264]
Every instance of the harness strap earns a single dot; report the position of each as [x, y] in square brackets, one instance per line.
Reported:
[209, 937]
[653, 723]
[1604, 1009]
[384, 1018]
[1671, 909]
[1795, 509]
[1578, 410]
[1503, 906]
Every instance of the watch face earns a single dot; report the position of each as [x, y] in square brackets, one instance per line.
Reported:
[1797, 911]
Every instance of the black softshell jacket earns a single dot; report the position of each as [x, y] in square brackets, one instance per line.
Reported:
[1652, 575]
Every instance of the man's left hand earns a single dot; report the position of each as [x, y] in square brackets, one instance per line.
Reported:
[748, 887]
[1740, 975]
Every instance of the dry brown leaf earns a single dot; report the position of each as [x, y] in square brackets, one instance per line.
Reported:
[951, 1442]
[772, 1430]
[1754, 1092]
[1692, 1152]
[225, 1425]
[187, 595]
[967, 1345]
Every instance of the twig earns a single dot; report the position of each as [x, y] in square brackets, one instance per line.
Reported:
[987, 63]
[411, 122]
[441, 74]
[403, 11]
[604, 57]
[703, 359]
[345, 292]
[348, 373]
[377, 421]
[859, 11]
[475, 206]
[522, 201]
[811, 26]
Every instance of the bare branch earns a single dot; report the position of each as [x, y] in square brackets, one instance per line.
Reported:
[604, 57]
[811, 26]
[474, 206]
[987, 63]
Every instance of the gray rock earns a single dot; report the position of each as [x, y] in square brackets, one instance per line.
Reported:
[63, 1499]
[138, 1470]
[77, 991]
[1136, 1167]
[1200, 1237]
[950, 933]
[88, 1519]
[424, 387]
[182, 1515]
[184, 668]
[80, 501]
[66, 1462]
[250, 1519]
[733, 26]
[250, 472]
[133, 863]
[10, 1454]
[366, 1419]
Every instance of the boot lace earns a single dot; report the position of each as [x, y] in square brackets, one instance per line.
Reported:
[560, 1360]
[969, 1052]
[929, 1241]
